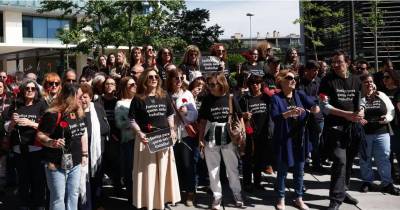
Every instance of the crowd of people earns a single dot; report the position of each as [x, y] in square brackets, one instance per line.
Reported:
[62, 138]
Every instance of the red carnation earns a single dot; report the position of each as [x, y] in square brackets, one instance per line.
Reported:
[323, 97]
[184, 100]
[149, 127]
[249, 130]
[63, 124]
[16, 91]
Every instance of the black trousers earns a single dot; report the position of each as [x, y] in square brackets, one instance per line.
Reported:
[342, 153]
[256, 158]
[31, 179]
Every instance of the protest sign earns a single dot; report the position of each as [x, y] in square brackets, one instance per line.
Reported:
[159, 140]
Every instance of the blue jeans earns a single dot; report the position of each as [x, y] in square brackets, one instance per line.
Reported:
[298, 173]
[378, 146]
[64, 188]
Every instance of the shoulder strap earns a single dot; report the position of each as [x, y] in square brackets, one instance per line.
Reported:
[58, 118]
[176, 110]
[230, 99]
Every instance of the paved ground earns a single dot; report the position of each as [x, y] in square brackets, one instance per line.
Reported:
[315, 197]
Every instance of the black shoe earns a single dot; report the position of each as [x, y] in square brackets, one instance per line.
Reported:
[391, 189]
[350, 199]
[365, 187]
[334, 205]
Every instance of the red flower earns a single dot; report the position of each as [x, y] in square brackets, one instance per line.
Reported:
[16, 91]
[149, 127]
[63, 124]
[249, 130]
[184, 100]
[49, 64]
[323, 97]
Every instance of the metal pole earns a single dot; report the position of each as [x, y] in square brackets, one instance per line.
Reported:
[353, 32]
[376, 37]
[251, 38]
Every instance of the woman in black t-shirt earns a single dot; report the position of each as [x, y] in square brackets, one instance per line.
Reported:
[379, 112]
[22, 120]
[252, 65]
[151, 111]
[63, 133]
[256, 115]
[191, 63]
[214, 138]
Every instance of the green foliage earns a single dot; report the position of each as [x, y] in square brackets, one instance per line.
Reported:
[190, 25]
[102, 23]
[235, 45]
[312, 11]
[234, 60]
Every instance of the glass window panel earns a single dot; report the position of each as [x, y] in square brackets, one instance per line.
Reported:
[27, 26]
[39, 27]
[53, 25]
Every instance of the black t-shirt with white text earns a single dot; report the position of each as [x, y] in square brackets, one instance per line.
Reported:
[72, 134]
[151, 113]
[216, 108]
[375, 108]
[33, 112]
[343, 93]
[259, 107]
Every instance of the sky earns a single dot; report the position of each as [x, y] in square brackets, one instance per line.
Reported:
[269, 15]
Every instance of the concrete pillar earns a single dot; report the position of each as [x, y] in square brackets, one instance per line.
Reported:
[4, 65]
[13, 25]
[80, 63]
[11, 66]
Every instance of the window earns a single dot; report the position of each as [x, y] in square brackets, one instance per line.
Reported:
[41, 28]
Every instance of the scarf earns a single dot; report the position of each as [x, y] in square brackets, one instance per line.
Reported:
[95, 152]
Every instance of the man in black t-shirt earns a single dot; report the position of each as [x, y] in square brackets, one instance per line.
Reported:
[340, 100]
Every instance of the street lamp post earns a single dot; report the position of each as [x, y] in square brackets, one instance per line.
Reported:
[251, 39]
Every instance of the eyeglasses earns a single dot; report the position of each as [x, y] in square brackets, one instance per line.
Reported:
[53, 84]
[289, 78]
[153, 77]
[179, 78]
[212, 85]
[71, 80]
[30, 89]
[386, 77]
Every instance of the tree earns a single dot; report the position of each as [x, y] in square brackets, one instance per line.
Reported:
[190, 25]
[103, 23]
[311, 12]
[373, 20]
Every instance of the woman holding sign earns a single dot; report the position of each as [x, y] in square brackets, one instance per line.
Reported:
[155, 179]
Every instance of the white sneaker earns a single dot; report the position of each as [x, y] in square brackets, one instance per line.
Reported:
[216, 204]
[238, 200]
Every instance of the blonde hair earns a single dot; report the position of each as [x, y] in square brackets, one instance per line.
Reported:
[191, 48]
[142, 90]
[282, 74]
[67, 101]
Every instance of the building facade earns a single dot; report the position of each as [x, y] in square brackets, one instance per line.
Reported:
[357, 38]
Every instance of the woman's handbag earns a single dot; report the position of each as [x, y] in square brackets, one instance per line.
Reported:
[235, 127]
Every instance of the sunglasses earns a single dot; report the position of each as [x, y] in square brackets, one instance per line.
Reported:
[166, 53]
[386, 77]
[153, 77]
[179, 78]
[3, 77]
[53, 84]
[221, 51]
[289, 78]
[71, 80]
[149, 49]
[132, 85]
[30, 89]
[212, 85]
